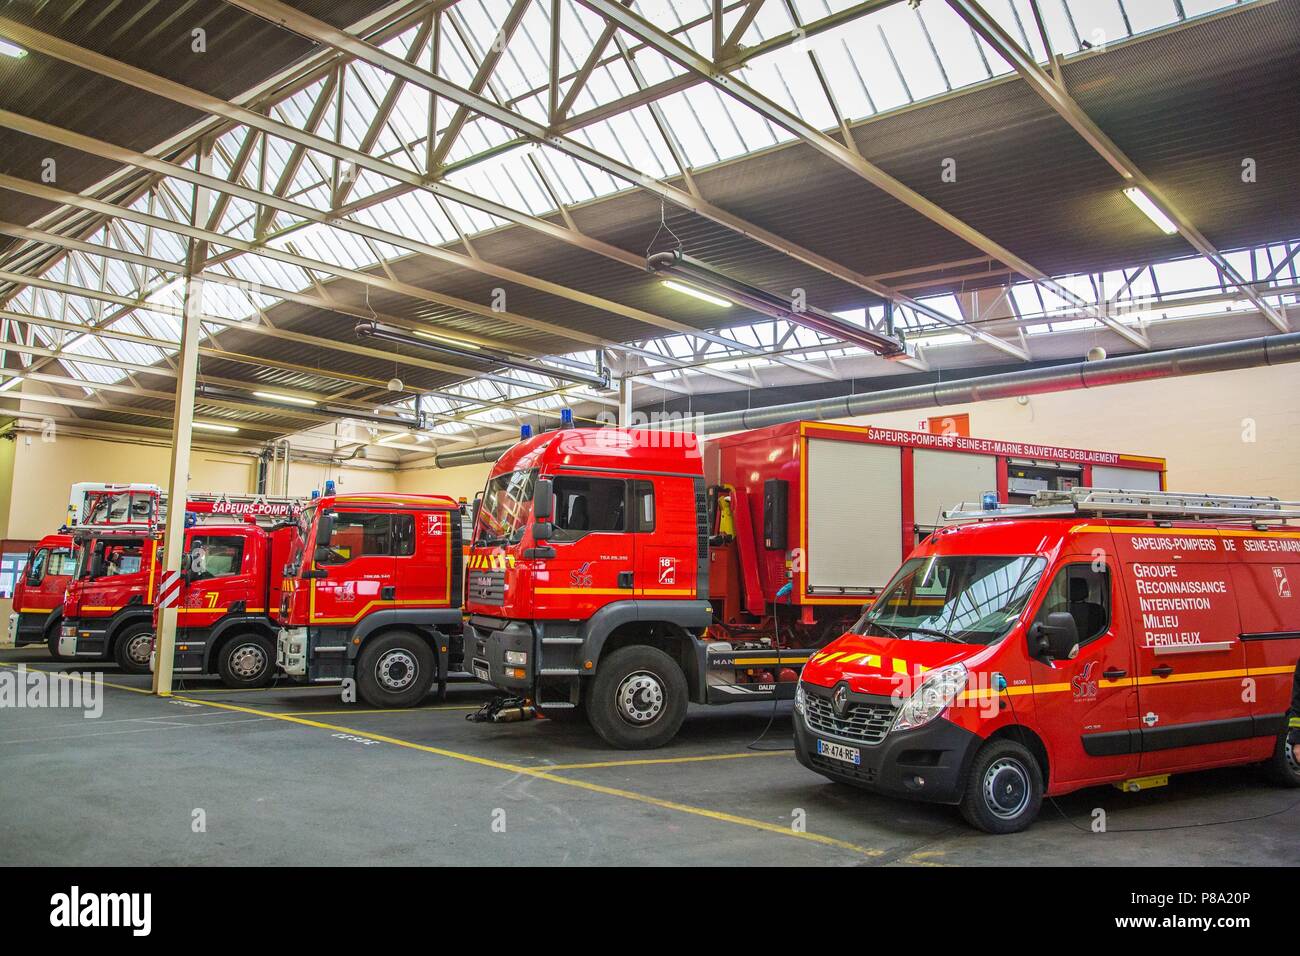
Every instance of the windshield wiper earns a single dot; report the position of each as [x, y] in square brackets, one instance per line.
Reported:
[886, 628]
[940, 634]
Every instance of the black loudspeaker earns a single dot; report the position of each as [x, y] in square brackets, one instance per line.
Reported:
[776, 506]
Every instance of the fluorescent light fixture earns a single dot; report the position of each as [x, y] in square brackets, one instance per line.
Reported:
[696, 293]
[448, 339]
[9, 48]
[214, 427]
[290, 399]
[1151, 210]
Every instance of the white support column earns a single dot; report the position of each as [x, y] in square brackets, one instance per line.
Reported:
[186, 378]
[624, 402]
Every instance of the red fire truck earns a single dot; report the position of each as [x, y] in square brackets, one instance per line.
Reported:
[1092, 637]
[108, 607]
[37, 614]
[228, 604]
[371, 594]
[626, 573]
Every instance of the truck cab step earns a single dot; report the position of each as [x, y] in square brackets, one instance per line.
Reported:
[559, 672]
[561, 640]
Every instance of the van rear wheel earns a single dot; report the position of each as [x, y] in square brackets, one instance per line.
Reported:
[1282, 768]
[396, 670]
[637, 700]
[1004, 789]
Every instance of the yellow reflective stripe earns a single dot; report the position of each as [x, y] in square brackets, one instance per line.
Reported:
[366, 610]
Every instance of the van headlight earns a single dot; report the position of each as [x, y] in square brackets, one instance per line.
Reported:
[800, 699]
[937, 692]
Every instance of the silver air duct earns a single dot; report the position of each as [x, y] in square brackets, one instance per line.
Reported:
[1144, 366]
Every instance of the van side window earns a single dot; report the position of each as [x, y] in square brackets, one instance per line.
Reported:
[589, 504]
[1084, 593]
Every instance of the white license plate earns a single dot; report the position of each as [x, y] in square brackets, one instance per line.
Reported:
[480, 671]
[839, 752]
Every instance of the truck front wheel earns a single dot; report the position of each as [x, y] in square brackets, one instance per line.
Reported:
[246, 661]
[396, 670]
[637, 700]
[132, 648]
[52, 632]
[1004, 789]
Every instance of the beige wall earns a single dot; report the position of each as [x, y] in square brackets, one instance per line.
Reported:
[463, 482]
[43, 472]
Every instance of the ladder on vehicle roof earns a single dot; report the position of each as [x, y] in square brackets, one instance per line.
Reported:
[1154, 505]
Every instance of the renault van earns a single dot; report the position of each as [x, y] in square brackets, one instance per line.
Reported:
[1091, 637]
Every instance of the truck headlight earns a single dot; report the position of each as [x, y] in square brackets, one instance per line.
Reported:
[937, 692]
[517, 658]
[800, 699]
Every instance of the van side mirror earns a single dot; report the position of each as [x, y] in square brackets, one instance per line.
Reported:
[1057, 637]
[543, 499]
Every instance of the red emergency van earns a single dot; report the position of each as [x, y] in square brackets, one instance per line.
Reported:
[1089, 637]
[37, 613]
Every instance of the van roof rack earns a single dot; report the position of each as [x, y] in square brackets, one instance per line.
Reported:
[1118, 502]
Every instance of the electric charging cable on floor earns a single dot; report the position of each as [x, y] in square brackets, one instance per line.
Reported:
[785, 592]
[1001, 683]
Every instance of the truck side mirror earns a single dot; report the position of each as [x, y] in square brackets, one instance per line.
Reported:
[543, 499]
[543, 531]
[1057, 637]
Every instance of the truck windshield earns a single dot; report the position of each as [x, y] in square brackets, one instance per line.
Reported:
[299, 544]
[507, 503]
[968, 599]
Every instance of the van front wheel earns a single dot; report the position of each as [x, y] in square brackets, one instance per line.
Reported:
[1004, 790]
[1282, 768]
[637, 700]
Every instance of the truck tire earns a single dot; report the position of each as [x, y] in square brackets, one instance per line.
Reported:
[637, 700]
[396, 670]
[1004, 789]
[132, 648]
[246, 660]
[1282, 768]
[52, 632]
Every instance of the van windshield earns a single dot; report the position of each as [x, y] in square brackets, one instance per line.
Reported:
[968, 599]
[504, 511]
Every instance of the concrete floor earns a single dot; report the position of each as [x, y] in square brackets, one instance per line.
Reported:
[289, 775]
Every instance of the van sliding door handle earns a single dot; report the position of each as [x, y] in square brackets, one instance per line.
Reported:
[1115, 673]
[1164, 670]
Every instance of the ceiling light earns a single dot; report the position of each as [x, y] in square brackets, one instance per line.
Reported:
[461, 343]
[1151, 210]
[9, 48]
[699, 275]
[291, 399]
[697, 293]
[214, 427]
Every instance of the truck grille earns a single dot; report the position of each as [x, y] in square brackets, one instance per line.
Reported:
[487, 587]
[867, 723]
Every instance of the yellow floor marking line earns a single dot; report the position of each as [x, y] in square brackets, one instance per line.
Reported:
[543, 774]
[381, 710]
[255, 690]
[655, 760]
[84, 680]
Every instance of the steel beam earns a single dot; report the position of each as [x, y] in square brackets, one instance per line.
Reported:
[1055, 95]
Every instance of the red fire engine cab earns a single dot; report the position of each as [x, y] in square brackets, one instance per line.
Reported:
[1093, 636]
[228, 602]
[372, 595]
[108, 607]
[626, 572]
[37, 615]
